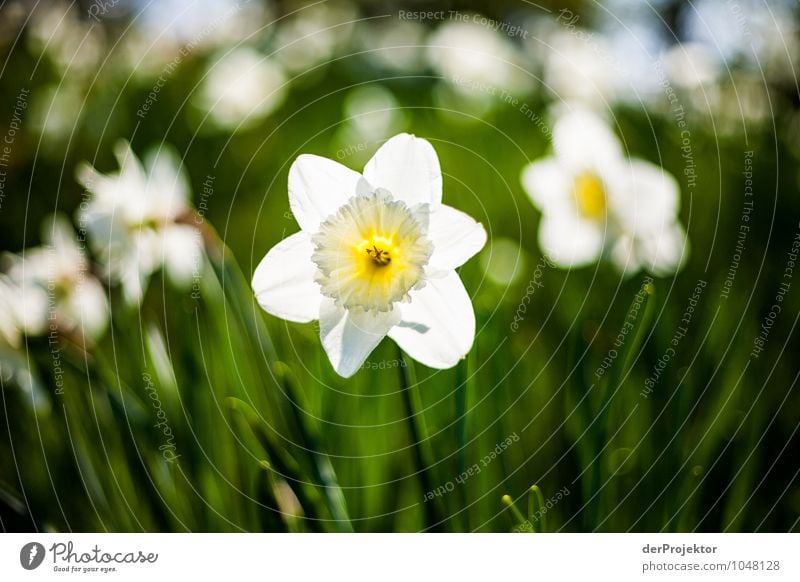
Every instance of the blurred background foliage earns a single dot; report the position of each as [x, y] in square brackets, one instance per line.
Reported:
[268, 437]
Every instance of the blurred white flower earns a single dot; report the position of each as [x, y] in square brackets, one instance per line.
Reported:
[72, 43]
[629, 36]
[579, 65]
[634, 50]
[241, 88]
[56, 112]
[370, 112]
[137, 220]
[734, 100]
[396, 44]
[476, 60]
[11, 315]
[164, 32]
[314, 34]
[690, 65]
[373, 111]
[761, 36]
[9, 330]
[51, 286]
[376, 256]
[597, 204]
[20, 312]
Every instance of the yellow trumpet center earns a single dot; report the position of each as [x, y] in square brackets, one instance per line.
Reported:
[590, 195]
[372, 252]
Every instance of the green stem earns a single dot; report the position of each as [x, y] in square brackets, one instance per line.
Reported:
[516, 513]
[536, 503]
[463, 374]
[321, 463]
[432, 520]
[613, 383]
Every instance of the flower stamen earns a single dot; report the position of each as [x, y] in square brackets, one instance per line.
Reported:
[379, 256]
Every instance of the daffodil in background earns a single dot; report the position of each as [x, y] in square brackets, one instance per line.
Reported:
[376, 256]
[241, 88]
[477, 65]
[598, 204]
[138, 220]
[52, 288]
[21, 313]
[22, 310]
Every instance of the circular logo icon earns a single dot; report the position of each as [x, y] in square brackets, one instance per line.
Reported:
[31, 555]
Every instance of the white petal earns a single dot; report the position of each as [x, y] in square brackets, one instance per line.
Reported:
[438, 327]
[9, 333]
[110, 192]
[131, 277]
[182, 253]
[132, 259]
[10, 313]
[626, 256]
[129, 166]
[350, 336]
[122, 195]
[649, 200]
[407, 166]
[583, 141]
[568, 241]
[58, 233]
[148, 246]
[284, 280]
[665, 251]
[548, 183]
[101, 225]
[87, 307]
[455, 236]
[167, 183]
[98, 184]
[33, 308]
[131, 198]
[35, 266]
[318, 187]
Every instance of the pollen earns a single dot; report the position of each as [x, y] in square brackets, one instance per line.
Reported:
[372, 252]
[379, 256]
[590, 196]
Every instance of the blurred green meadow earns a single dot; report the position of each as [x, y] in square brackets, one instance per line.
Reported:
[197, 411]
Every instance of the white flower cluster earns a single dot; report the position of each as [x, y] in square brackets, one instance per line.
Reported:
[377, 251]
[134, 223]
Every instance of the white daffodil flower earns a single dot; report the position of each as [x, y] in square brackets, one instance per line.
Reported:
[376, 256]
[475, 59]
[596, 203]
[134, 220]
[53, 287]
